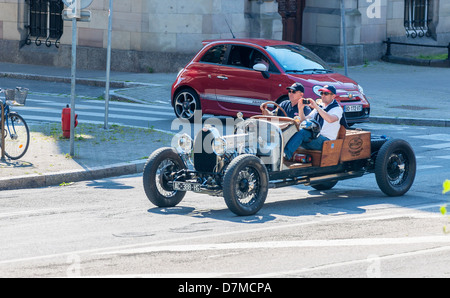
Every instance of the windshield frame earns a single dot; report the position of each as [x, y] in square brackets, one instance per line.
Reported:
[297, 59]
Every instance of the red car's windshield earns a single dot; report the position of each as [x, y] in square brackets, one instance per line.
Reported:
[297, 59]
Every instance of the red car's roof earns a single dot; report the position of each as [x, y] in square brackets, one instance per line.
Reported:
[256, 41]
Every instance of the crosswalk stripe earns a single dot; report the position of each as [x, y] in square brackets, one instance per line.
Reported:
[30, 119]
[427, 167]
[436, 137]
[136, 108]
[83, 110]
[102, 103]
[438, 146]
[82, 114]
[45, 110]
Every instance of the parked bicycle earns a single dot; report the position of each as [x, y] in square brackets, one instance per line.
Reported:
[17, 133]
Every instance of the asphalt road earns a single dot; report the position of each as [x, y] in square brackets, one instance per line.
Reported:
[109, 228]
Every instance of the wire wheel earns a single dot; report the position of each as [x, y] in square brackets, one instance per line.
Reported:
[395, 167]
[245, 185]
[158, 172]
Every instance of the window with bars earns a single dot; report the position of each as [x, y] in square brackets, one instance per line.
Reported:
[417, 18]
[45, 22]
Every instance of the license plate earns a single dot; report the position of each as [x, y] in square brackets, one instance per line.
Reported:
[353, 108]
[186, 186]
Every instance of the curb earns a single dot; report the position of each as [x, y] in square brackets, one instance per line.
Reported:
[416, 62]
[410, 121]
[53, 179]
[68, 80]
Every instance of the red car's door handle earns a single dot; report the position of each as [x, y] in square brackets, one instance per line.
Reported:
[222, 77]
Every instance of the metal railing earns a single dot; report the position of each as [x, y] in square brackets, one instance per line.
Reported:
[388, 42]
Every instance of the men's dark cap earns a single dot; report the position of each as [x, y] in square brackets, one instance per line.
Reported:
[327, 88]
[296, 87]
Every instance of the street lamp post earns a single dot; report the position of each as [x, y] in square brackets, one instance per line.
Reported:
[344, 36]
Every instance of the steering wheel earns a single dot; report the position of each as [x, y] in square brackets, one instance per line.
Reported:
[265, 111]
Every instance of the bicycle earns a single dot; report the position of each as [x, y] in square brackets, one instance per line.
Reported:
[17, 133]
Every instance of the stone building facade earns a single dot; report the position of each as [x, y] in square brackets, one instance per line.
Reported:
[162, 35]
[370, 22]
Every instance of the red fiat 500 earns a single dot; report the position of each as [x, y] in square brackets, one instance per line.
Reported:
[237, 75]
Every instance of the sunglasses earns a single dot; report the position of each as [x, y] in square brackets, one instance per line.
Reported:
[325, 93]
[292, 91]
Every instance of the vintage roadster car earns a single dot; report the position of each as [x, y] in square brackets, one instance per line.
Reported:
[241, 167]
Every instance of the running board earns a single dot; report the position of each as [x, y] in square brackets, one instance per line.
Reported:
[315, 180]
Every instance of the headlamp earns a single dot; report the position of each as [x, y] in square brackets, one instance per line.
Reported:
[184, 144]
[219, 146]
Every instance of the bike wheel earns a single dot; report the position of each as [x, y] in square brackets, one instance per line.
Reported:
[17, 136]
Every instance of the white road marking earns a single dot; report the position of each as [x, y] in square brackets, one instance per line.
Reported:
[284, 244]
[436, 137]
[353, 262]
[438, 146]
[427, 167]
[105, 250]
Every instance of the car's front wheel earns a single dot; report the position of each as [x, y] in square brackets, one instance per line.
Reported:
[186, 104]
[395, 167]
[245, 185]
[158, 172]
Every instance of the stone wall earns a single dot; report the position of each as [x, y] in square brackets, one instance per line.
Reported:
[148, 35]
[163, 35]
[368, 24]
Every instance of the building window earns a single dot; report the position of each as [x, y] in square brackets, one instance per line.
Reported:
[45, 22]
[417, 18]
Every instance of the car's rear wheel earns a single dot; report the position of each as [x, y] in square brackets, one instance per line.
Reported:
[245, 185]
[186, 104]
[158, 173]
[395, 167]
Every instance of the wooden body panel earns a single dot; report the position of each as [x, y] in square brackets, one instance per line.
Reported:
[350, 145]
[356, 145]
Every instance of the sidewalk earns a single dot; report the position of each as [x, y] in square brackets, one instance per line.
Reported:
[404, 94]
[99, 153]
[399, 94]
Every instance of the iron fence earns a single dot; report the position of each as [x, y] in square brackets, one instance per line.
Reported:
[388, 42]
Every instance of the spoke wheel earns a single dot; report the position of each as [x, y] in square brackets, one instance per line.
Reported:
[17, 136]
[245, 185]
[395, 167]
[158, 172]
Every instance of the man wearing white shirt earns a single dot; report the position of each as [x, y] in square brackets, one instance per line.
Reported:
[329, 117]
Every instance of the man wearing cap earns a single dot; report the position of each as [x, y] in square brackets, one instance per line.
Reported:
[328, 116]
[290, 106]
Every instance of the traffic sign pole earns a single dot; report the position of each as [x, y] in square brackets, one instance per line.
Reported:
[75, 13]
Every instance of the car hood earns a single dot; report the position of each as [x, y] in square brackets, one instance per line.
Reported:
[342, 83]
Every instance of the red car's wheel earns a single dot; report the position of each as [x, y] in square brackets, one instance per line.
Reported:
[187, 104]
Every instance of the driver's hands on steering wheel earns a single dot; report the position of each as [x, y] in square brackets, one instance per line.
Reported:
[266, 112]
